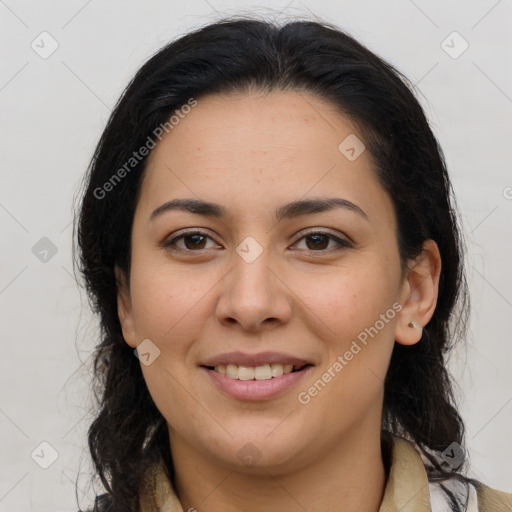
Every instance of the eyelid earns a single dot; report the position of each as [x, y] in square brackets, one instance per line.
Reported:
[342, 242]
[178, 235]
[325, 231]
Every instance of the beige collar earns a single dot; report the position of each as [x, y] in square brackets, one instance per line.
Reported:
[406, 489]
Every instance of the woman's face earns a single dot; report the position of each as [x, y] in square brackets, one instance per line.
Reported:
[272, 280]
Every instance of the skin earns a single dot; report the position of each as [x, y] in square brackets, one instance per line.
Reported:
[253, 153]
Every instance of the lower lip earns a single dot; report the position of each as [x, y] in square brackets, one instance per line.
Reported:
[256, 389]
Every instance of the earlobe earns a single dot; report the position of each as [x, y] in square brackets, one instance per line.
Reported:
[124, 307]
[419, 294]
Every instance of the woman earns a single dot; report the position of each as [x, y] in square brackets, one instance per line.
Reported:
[269, 238]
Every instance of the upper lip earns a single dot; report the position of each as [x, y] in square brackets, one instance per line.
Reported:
[261, 358]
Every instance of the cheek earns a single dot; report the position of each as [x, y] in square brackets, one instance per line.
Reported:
[356, 324]
[357, 333]
[166, 301]
[169, 310]
[347, 300]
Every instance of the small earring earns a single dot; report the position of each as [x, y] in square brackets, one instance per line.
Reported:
[411, 324]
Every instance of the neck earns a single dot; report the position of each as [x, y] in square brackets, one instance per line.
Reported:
[351, 477]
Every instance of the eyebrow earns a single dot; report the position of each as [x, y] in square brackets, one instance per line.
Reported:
[287, 211]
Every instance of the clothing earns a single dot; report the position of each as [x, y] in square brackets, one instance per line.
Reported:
[407, 489]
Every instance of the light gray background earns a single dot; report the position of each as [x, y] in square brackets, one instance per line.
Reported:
[53, 111]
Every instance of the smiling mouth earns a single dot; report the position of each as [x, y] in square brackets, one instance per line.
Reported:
[262, 372]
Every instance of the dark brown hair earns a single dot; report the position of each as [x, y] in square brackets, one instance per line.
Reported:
[237, 55]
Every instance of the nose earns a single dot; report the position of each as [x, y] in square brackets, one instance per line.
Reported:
[253, 295]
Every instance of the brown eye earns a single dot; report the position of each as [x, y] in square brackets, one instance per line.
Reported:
[193, 241]
[318, 241]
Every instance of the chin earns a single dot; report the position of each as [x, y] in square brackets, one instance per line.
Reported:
[257, 452]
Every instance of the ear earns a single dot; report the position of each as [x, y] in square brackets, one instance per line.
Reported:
[124, 307]
[418, 295]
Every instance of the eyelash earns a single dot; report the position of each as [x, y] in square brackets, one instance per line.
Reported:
[342, 244]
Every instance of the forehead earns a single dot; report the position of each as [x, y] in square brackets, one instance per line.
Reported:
[281, 121]
[283, 144]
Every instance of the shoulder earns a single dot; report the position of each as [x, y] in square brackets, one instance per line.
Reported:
[446, 493]
[464, 493]
[492, 500]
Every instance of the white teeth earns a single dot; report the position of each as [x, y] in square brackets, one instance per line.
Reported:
[245, 373]
[263, 372]
[277, 370]
[232, 371]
